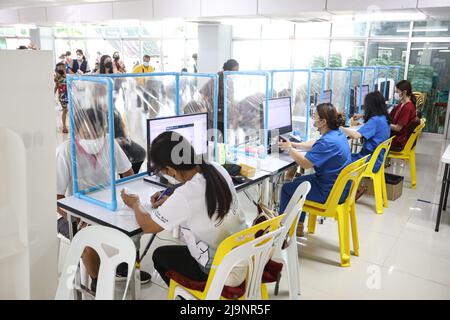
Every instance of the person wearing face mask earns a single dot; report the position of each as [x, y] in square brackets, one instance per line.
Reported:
[118, 65]
[403, 115]
[93, 169]
[143, 93]
[105, 65]
[328, 155]
[61, 89]
[68, 61]
[205, 207]
[80, 65]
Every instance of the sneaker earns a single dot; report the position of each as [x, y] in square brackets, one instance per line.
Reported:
[300, 232]
[122, 271]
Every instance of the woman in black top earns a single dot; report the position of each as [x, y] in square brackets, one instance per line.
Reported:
[80, 65]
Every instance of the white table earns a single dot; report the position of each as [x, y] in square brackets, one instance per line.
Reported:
[445, 159]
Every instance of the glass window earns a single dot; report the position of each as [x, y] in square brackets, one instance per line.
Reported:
[346, 29]
[431, 29]
[94, 32]
[173, 55]
[9, 32]
[191, 30]
[275, 54]
[312, 29]
[244, 53]
[173, 29]
[386, 53]
[191, 48]
[112, 32]
[61, 32]
[77, 32]
[2, 44]
[23, 32]
[13, 44]
[153, 49]
[130, 32]
[247, 30]
[347, 53]
[395, 29]
[131, 54]
[151, 30]
[310, 53]
[429, 74]
[278, 30]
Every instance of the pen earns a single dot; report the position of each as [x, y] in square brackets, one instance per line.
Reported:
[164, 193]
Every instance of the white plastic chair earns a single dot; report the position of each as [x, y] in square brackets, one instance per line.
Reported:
[290, 254]
[113, 248]
[255, 254]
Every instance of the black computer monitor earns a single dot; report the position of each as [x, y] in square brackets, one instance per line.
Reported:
[279, 116]
[326, 96]
[194, 127]
[381, 89]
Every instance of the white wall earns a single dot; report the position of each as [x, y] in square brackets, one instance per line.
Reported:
[9, 16]
[369, 5]
[214, 8]
[176, 8]
[142, 10]
[290, 7]
[28, 213]
[214, 47]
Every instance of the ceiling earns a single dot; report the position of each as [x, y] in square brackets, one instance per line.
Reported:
[16, 4]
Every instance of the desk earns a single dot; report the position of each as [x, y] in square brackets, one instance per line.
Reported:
[445, 187]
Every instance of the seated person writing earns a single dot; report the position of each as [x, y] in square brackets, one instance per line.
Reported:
[328, 156]
[205, 207]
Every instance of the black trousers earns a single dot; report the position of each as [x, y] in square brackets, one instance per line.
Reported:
[179, 259]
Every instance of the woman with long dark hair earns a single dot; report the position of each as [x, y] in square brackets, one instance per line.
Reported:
[403, 115]
[80, 64]
[328, 156]
[375, 129]
[105, 65]
[205, 207]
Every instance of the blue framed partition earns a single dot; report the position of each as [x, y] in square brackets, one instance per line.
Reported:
[107, 80]
[264, 74]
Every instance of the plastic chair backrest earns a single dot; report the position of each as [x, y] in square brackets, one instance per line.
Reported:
[412, 140]
[293, 211]
[241, 247]
[353, 172]
[385, 145]
[113, 248]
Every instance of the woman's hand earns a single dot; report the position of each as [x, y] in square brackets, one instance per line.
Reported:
[130, 200]
[154, 199]
[284, 145]
[357, 116]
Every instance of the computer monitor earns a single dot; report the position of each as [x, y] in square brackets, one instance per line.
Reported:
[361, 93]
[326, 96]
[279, 115]
[380, 87]
[194, 127]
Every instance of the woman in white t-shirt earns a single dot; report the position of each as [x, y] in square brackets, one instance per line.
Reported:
[205, 208]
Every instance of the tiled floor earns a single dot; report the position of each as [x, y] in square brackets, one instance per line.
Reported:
[401, 257]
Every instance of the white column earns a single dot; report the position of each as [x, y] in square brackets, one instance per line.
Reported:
[214, 47]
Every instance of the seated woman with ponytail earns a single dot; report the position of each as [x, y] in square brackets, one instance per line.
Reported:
[328, 156]
[205, 207]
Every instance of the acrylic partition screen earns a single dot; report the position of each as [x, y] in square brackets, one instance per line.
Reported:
[356, 87]
[136, 98]
[245, 98]
[93, 148]
[198, 93]
[338, 85]
[297, 85]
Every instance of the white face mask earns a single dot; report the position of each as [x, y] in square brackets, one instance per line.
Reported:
[397, 96]
[80, 57]
[170, 179]
[146, 64]
[92, 146]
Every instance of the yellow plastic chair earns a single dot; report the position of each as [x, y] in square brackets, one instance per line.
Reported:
[378, 178]
[332, 209]
[409, 152]
[241, 246]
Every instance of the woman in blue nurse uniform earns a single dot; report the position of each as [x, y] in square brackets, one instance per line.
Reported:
[375, 130]
[328, 156]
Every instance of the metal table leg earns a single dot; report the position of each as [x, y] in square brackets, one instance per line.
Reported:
[441, 199]
[136, 278]
[446, 193]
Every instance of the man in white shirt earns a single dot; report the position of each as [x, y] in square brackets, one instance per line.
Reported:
[93, 169]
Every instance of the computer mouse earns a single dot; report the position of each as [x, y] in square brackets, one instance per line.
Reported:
[239, 179]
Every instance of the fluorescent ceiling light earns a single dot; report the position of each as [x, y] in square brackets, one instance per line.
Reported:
[430, 48]
[390, 16]
[386, 48]
[445, 50]
[233, 22]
